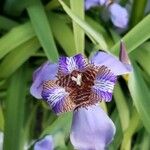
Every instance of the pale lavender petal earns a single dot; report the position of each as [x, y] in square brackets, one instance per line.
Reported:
[45, 144]
[68, 64]
[57, 97]
[91, 129]
[104, 84]
[103, 2]
[110, 61]
[46, 72]
[119, 15]
[91, 3]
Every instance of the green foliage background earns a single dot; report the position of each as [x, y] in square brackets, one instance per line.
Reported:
[32, 32]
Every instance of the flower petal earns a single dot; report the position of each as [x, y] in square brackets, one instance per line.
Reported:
[117, 67]
[91, 3]
[119, 15]
[57, 97]
[91, 129]
[45, 144]
[104, 84]
[46, 72]
[68, 64]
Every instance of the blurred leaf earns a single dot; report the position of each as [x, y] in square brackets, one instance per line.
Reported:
[119, 134]
[60, 129]
[77, 7]
[87, 28]
[1, 119]
[138, 10]
[136, 36]
[6, 23]
[144, 52]
[15, 106]
[141, 96]
[54, 4]
[64, 29]
[122, 106]
[14, 7]
[133, 125]
[100, 29]
[42, 29]
[15, 37]
[59, 125]
[145, 144]
[17, 57]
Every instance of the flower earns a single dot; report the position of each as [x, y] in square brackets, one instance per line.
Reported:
[76, 84]
[118, 14]
[92, 3]
[91, 129]
[45, 144]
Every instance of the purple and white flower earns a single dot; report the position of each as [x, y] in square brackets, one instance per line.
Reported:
[118, 14]
[76, 84]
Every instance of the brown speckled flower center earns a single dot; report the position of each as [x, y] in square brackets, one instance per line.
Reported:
[78, 85]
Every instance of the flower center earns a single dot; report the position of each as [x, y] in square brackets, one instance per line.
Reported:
[78, 85]
[77, 79]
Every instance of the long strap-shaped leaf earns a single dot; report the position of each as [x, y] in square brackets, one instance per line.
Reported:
[141, 96]
[138, 35]
[77, 7]
[15, 106]
[42, 29]
[87, 28]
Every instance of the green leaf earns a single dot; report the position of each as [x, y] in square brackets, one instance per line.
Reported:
[19, 56]
[133, 125]
[64, 29]
[122, 107]
[15, 37]
[140, 95]
[86, 27]
[1, 119]
[77, 7]
[144, 52]
[14, 7]
[138, 10]
[6, 23]
[15, 107]
[42, 29]
[134, 38]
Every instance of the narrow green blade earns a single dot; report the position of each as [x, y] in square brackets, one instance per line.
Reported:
[87, 28]
[77, 7]
[15, 106]
[141, 96]
[42, 29]
[138, 35]
[15, 37]
[19, 56]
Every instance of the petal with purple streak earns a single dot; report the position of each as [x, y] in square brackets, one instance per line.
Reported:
[45, 144]
[117, 67]
[68, 64]
[57, 97]
[91, 129]
[46, 72]
[104, 84]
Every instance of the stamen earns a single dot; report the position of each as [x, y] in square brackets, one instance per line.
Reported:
[77, 79]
